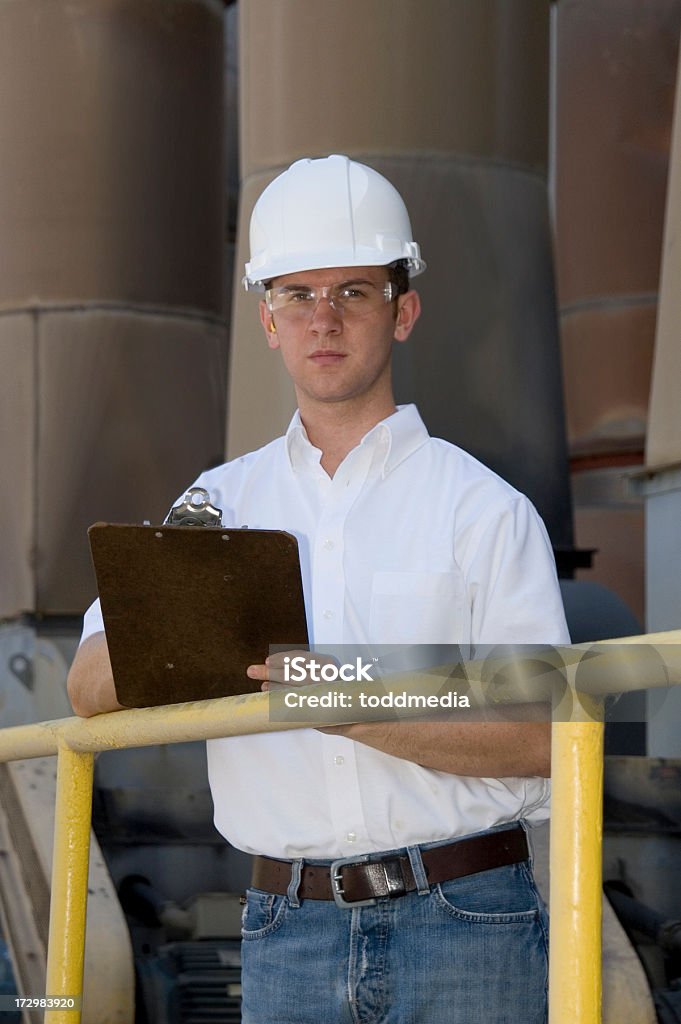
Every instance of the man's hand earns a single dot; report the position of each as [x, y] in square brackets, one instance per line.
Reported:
[462, 745]
[279, 669]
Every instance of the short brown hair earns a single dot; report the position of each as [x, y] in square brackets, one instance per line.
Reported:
[398, 274]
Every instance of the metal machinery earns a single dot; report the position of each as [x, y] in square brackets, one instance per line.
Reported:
[121, 220]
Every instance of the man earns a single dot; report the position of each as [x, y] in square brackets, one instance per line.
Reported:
[391, 879]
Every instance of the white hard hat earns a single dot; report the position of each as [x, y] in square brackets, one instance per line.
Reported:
[331, 212]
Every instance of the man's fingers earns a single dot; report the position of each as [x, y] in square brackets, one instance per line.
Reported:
[257, 672]
[267, 673]
[290, 668]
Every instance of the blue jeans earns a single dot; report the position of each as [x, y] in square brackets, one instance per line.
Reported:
[462, 952]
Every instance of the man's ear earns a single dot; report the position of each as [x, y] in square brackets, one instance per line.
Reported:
[408, 312]
[267, 321]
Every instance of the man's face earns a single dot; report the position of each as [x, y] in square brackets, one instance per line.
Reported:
[335, 356]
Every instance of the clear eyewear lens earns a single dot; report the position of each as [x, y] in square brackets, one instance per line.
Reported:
[355, 299]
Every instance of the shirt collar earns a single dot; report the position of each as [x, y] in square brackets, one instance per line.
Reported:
[298, 447]
[397, 437]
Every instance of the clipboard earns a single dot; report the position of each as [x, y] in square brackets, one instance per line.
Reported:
[187, 608]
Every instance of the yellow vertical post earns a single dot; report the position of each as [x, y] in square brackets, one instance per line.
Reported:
[66, 942]
[575, 977]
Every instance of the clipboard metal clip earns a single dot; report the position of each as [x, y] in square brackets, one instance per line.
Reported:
[195, 509]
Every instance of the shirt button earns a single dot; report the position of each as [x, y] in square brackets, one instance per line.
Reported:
[351, 837]
[328, 544]
[327, 613]
[339, 760]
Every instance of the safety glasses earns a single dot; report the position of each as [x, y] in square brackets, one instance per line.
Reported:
[352, 299]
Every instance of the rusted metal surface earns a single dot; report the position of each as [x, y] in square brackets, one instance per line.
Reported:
[614, 78]
[663, 443]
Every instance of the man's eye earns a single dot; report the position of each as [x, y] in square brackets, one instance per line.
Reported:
[351, 292]
[297, 297]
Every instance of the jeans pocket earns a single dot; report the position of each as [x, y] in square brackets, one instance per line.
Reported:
[501, 896]
[263, 914]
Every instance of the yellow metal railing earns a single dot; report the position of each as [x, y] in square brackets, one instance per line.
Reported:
[577, 771]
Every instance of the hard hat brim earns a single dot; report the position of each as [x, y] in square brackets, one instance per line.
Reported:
[256, 277]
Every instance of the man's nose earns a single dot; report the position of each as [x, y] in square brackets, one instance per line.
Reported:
[325, 317]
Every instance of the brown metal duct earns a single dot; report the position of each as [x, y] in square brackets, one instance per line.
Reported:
[660, 482]
[112, 337]
[614, 79]
[450, 101]
[663, 447]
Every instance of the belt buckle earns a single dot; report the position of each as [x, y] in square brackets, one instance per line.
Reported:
[336, 874]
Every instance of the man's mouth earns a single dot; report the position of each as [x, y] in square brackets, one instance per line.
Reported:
[326, 357]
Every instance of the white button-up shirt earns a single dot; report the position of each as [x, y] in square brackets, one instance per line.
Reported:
[412, 541]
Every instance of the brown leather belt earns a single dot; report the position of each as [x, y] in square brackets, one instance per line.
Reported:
[361, 881]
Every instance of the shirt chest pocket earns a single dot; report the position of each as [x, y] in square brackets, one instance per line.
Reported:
[418, 608]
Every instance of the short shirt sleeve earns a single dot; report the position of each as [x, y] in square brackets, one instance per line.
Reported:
[92, 621]
[512, 581]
